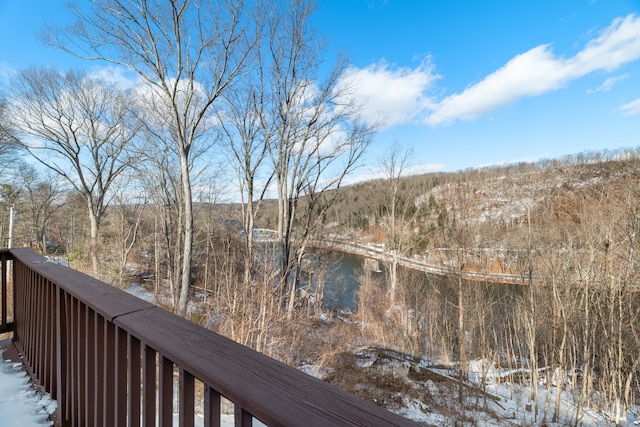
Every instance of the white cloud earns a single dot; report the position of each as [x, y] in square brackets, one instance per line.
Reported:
[631, 108]
[530, 73]
[608, 84]
[6, 73]
[400, 95]
[538, 71]
[395, 95]
[118, 76]
[376, 4]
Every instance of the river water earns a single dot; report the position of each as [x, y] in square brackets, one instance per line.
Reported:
[340, 272]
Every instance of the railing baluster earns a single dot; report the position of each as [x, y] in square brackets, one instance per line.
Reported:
[18, 300]
[39, 325]
[99, 369]
[61, 355]
[73, 358]
[165, 391]
[24, 316]
[20, 316]
[34, 318]
[211, 407]
[242, 417]
[187, 402]
[90, 368]
[65, 354]
[149, 386]
[121, 378]
[44, 326]
[27, 337]
[46, 329]
[134, 381]
[82, 361]
[19, 308]
[3, 323]
[69, 353]
[109, 373]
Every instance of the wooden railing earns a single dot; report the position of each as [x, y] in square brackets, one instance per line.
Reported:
[111, 359]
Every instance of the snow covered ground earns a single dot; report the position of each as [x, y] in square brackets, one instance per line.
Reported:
[429, 393]
[20, 404]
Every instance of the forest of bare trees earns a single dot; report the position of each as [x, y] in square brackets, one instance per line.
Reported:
[569, 229]
[225, 129]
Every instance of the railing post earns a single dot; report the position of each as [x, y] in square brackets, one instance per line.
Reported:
[3, 325]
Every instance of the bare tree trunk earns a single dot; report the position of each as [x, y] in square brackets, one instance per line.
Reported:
[156, 255]
[461, 342]
[93, 240]
[127, 237]
[185, 279]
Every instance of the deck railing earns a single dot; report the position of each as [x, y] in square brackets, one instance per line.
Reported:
[111, 359]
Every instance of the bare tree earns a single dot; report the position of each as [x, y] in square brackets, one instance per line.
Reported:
[10, 194]
[458, 236]
[9, 147]
[186, 52]
[41, 195]
[247, 147]
[10, 164]
[399, 213]
[126, 228]
[78, 127]
[157, 174]
[315, 136]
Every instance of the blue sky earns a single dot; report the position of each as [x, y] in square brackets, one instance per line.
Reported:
[461, 83]
[485, 82]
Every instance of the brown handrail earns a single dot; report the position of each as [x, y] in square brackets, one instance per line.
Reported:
[5, 325]
[109, 359]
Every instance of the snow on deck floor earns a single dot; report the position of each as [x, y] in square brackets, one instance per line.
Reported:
[21, 405]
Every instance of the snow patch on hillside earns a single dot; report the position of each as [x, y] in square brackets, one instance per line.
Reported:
[427, 393]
